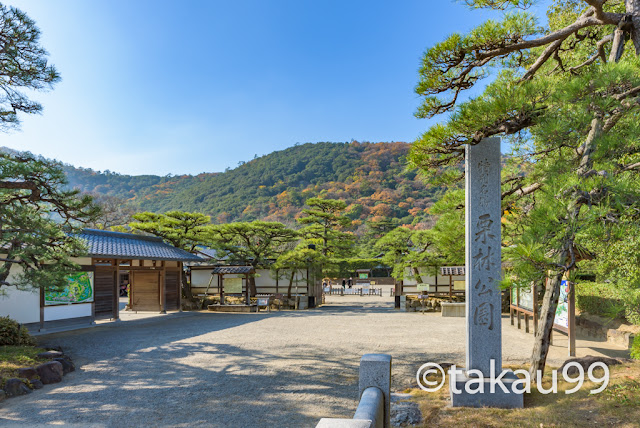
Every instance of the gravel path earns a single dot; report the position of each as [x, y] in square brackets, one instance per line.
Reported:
[243, 370]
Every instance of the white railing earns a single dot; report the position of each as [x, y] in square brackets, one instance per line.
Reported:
[375, 396]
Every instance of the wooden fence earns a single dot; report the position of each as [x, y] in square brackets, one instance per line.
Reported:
[354, 291]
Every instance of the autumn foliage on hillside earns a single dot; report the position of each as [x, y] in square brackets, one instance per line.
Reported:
[370, 177]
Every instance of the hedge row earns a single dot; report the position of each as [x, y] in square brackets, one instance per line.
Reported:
[609, 300]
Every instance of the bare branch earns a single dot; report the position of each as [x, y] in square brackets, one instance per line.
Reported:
[550, 50]
[521, 191]
[599, 54]
[631, 167]
[585, 20]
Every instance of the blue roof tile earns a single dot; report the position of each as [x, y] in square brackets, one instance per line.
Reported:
[102, 243]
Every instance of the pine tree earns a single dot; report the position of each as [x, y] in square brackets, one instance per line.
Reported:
[181, 229]
[566, 98]
[257, 243]
[38, 217]
[324, 225]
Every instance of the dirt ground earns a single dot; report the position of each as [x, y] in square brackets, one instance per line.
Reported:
[285, 369]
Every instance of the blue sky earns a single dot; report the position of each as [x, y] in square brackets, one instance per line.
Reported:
[159, 87]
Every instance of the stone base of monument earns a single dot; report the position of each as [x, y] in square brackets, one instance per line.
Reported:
[499, 398]
[453, 309]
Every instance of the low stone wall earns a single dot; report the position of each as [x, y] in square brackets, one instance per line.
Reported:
[30, 378]
[613, 331]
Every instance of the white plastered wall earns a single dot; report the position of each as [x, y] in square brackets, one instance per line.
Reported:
[265, 281]
[24, 305]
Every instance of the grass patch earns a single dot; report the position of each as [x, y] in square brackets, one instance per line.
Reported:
[618, 405]
[13, 358]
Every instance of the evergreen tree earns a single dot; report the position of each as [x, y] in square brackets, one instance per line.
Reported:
[181, 229]
[23, 65]
[256, 243]
[566, 97]
[298, 259]
[324, 225]
[38, 222]
[38, 218]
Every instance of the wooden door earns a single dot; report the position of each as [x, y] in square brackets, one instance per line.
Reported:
[145, 288]
[172, 290]
[105, 289]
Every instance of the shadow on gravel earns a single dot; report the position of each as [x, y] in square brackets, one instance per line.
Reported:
[139, 373]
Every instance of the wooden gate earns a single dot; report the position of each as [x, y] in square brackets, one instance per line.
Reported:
[105, 292]
[145, 291]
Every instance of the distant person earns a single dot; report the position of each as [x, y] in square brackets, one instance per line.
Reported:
[344, 282]
[350, 282]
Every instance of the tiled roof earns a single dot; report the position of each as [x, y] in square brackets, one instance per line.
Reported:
[208, 252]
[102, 243]
[233, 269]
[452, 270]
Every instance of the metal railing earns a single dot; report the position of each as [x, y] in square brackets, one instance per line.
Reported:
[375, 396]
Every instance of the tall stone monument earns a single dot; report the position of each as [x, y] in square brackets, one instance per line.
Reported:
[483, 275]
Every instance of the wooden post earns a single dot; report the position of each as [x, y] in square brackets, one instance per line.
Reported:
[246, 280]
[42, 309]
[116, 297]
[221, 278]
[572, 319]
[534, 290]
[510, 308]
[450, 288]
[163, 291]
[181, 267]
[436, 284]
[132, 278]
[526, 322]
[277, 278]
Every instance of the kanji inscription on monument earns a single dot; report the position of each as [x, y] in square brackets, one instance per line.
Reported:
[483, 297]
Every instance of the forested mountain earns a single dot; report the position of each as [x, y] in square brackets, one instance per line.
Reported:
[370, 177]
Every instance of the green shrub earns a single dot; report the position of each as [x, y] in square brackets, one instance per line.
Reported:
[12, 333]
[599, 299]
[635, 348]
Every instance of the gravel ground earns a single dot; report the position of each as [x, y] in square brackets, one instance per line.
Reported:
[283, 369]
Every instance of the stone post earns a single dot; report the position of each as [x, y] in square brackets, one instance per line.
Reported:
[375, 370]
[483, 302]
[483, 273]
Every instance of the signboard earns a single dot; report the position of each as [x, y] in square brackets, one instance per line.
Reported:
[459, 285]
[79, 289]
[526, 297]
[232, 285]
[363, 275]
[365, 288]
[263, 301]
[423, 287]
[562, 311]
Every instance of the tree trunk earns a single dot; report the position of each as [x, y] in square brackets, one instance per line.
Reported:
[293, 272]
[552, 289]
[633, 9]
[545, 324]
[186, 287]
[252, 286]
[416, 274]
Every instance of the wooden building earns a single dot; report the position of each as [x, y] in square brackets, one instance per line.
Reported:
[151, 268]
